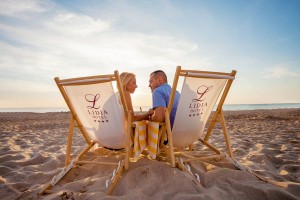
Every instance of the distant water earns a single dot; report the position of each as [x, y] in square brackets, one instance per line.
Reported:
[145, 108]
[260, 106]
[244, 106]
[35, 110]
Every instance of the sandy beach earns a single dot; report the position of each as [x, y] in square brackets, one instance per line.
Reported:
[33, 149]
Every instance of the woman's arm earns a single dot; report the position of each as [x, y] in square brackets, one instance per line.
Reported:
[144, 116]
[134, 117]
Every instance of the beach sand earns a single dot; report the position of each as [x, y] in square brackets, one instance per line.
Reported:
[267, 141]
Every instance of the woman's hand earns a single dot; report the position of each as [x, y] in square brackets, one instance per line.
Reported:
[150, 113]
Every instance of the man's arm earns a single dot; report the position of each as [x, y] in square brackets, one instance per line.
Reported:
[159, 114]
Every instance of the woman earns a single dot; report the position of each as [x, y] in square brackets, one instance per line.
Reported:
[128, 82]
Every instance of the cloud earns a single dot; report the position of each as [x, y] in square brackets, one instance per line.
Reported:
[77, 25]
[19, 9]
[280, 72]
[68, 41]
[68, 44]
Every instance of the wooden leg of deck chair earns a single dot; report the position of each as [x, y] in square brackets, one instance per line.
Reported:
[243, 168]
[267, 180]
[220, 105]
[128, 138]
[115, 179]
[70, 137]
[181, 166]
[210, 146]
[161, 135]
[45, 190]
[211, 126]
[65, 170]
[276, 183]
[170, 138]
[226, 136]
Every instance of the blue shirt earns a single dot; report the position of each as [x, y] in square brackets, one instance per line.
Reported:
[161, 97]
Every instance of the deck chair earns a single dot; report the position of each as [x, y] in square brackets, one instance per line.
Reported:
[201, 92]
[102, 117]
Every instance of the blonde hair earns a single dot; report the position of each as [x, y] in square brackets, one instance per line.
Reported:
[125, 77]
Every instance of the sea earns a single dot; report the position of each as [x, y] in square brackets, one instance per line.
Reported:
[226, 107]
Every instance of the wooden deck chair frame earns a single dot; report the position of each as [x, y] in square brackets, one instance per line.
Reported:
[76, 122]
[217, 117]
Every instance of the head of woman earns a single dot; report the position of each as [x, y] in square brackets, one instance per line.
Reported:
[128, 82]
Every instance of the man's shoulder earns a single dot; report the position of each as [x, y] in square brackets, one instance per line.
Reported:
[164, 87]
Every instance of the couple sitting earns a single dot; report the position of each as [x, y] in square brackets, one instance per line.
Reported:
[161, 92]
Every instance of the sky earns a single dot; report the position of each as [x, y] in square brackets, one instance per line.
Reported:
[40, 40]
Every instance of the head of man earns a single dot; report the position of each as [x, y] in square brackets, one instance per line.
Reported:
[157, 78]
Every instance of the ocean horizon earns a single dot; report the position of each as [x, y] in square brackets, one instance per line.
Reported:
[226, 107]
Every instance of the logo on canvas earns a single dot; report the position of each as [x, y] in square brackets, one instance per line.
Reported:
[198, 104]
[201, 91]
[93, 108]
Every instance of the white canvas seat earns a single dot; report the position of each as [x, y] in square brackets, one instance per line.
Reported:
[101, 114]
[198, 98]
[200, 93]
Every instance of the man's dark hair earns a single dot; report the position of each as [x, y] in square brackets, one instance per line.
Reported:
[160, 73]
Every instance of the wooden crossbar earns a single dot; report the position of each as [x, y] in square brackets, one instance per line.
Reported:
[203, 158]
[110, 77]
[185, 72]
[96, 162]
[210, 76]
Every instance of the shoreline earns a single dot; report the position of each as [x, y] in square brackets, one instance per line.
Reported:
[267, 141]
[139, 112]
[226, 107]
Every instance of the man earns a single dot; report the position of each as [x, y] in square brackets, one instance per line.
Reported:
[161, 92]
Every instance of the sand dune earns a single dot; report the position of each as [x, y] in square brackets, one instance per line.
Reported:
[267, 141]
